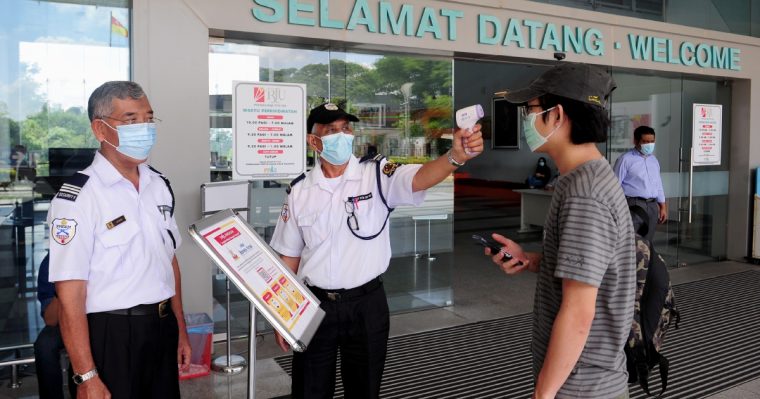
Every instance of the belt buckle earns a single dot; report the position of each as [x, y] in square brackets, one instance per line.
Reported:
[333, 296]
[162, 311]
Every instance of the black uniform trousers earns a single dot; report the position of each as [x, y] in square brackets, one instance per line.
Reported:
[136, 356]
[653, 211]
[357, 326]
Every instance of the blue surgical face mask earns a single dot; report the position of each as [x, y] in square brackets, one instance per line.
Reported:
[337, 148]
[532, 136]
[647, 149]
[135, 140]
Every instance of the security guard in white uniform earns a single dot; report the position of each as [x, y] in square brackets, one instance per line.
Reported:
[112, 241]
[333, 232]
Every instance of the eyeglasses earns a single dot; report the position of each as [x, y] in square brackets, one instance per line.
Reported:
[353, 223]
[525, 110]
[347, 128]
[131, 121]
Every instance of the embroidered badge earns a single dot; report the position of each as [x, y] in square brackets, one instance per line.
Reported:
[389, 168]
[63, 230]
[331, 107]
[119, 220]
[285, 213]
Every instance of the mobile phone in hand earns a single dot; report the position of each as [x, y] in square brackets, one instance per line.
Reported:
[494, 246]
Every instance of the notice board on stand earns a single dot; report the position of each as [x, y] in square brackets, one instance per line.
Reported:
[259, 274]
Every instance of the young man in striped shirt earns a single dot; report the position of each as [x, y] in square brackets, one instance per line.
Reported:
[586, 274]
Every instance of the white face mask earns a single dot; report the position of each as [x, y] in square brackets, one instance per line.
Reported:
[532, 136]
[337, 148]
[135, 140]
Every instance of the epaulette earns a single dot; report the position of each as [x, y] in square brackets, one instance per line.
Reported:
[376, 158]
[72, 186]
[168, 186]
[294, 182]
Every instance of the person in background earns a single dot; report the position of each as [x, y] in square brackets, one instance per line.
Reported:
[583, 305]
[541, 176]
[49, 343]
[113, 239]
[639, 173]
[333, 233]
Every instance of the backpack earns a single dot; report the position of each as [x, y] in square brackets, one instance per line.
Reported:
[654, 310]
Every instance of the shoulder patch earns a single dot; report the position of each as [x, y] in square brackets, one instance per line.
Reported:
[72, 186]
[389, 168]
[285, 213]
[294, 182]
[63, 230]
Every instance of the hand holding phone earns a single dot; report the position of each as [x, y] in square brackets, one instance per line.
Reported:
[494, 246]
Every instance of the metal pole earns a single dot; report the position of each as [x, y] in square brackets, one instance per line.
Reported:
[229, 323]
[252, 354]
[230, 364]
[430, 257]
[416, 255]
[14, 377]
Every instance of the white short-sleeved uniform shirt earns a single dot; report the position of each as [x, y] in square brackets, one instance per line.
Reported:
[313, 224]
[118, 239]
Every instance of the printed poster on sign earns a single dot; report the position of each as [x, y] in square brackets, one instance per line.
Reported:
[259, 273]
[269, 130]
[707, 134]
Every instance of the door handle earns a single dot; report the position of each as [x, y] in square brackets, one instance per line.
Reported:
[691, 180]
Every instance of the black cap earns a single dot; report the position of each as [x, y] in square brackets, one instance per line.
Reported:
[327, 113]
[580, 82]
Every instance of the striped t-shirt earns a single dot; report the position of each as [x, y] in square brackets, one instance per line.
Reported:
[588, 237]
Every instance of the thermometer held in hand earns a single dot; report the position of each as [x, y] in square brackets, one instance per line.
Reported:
[467, 118]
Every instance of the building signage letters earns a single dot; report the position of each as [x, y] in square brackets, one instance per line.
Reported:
[403, 19]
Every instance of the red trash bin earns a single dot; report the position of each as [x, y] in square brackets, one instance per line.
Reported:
[200, 332]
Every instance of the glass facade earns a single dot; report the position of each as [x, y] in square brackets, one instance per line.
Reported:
[735, 16]
[405, 104]
[665, 104]
[52, 56]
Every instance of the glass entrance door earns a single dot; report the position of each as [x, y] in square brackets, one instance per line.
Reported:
[665, 104]
[703, 200]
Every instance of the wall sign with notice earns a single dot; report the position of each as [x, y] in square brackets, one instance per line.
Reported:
[256, 270]
[269, 130]
[707, 134]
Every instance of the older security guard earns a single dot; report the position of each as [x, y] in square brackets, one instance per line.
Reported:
[112, 242]
[333, 232]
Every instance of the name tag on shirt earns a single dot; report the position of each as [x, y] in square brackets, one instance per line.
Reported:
[119, 220]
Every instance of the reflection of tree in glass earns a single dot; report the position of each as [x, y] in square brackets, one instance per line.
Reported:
[425, 111]
[51, 128]
[23, 93]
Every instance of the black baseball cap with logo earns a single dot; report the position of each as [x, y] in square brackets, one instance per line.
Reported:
[581, 82]
[327, 113]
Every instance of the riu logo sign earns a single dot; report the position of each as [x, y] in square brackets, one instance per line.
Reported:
[268, 95]
[258, 95]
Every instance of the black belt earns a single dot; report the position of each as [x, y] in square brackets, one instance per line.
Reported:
[162, 309]
[643, 199]
[346, 294]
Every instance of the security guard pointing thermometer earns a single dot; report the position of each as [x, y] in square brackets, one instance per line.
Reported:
[333, 232]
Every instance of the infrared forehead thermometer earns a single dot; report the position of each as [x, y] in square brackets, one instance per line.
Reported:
[467, 118]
